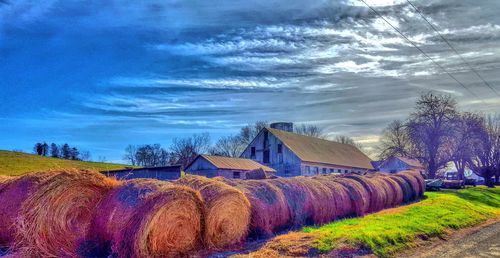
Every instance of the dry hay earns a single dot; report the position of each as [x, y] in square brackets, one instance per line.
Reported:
[406, 188]
[397, 196]
[342, 197]
[268, 206]
[56, 216]
[13, 193]
[295, 196]
[322, 200]
[359, 196]
[378, 197]
[421, 181]
[390, 196]
[146, 218]
[227, 211]
[412, 181]
[256, 174]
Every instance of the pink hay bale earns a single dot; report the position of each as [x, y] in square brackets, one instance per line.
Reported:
[13, 193]
[127, 220]
[413, 182]
[56, 216]
[268, 206]
[343, 199]
[396, 191]
[378, 197]
[359, 196]
[227, 211]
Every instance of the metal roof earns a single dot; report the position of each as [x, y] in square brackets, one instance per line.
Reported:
[315, 150]
[234, 163]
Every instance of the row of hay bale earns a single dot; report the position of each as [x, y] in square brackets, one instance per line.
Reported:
[85, 214]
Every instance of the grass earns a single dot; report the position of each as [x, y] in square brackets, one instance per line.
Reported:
[18, 163]
[391, 231]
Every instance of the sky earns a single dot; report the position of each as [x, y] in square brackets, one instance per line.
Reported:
[104, 74]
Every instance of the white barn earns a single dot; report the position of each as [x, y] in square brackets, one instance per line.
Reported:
[293, 154]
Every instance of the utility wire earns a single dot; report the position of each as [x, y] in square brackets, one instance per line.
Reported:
[420, 49]
[453, 48]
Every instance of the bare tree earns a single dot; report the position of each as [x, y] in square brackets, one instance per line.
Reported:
[54, 150]
[229, 146]
[431, 130]
[468, 128]
[347, 140]
[310, 130]
[394, 141]
[485, 161]
[85, 155]
[131, 154]
[249, 132]
[184, 150]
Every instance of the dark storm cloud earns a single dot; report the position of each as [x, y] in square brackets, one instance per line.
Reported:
[147, 71]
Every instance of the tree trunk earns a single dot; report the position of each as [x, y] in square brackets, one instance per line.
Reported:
[432, 172]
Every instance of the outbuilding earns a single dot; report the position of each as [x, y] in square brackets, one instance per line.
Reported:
[160, 173]
[228, 167]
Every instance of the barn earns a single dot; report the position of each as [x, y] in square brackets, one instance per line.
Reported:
[396, 164]
[292, 154]
[160, 173]
[212, 166]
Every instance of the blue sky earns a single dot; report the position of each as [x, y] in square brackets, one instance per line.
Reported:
[104, 74]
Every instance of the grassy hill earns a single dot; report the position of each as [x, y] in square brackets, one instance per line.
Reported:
[18, 163]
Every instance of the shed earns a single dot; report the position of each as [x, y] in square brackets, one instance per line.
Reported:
[212, 166]
[160, 173]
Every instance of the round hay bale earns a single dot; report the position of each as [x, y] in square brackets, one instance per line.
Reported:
[413, 182]
[421, 181]
[342, 196]
[386, 188]
[167, 222]
[227, 211]
[256, 174]
[396, 193]
[322, 200]
[359, 196]
[405, 188]
[13, 193]
[268, 207]
[377, 196]
[57, 215]
[295, 196]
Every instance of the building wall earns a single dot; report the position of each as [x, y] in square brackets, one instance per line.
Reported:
[202, 167]
[286, 163]
[312, 169]
[393, 165]
[166, 174]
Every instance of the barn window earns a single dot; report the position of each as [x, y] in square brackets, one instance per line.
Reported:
[340, 171]
[346, 171]
[236, 175]
[324, 170]
[252, 152]
[332, 170]
[316, 170]
[280, 148]
[308, 169]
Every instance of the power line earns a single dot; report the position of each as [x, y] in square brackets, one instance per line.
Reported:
[454, 50]
[420, 49]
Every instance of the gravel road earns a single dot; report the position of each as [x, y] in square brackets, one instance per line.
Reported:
[476, 242]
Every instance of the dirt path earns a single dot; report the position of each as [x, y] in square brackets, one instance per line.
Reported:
[482, 241]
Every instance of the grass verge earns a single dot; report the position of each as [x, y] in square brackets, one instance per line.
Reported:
[393, 230]
[18, 163]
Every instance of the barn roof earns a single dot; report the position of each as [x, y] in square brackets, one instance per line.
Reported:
[311, 149]
[410, 161]
[235, 163]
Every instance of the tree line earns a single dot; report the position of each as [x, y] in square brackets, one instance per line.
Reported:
[437, 133]
[183, 150]
[63, 151]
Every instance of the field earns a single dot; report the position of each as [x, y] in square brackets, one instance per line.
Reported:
[18, 163]
[393, 230]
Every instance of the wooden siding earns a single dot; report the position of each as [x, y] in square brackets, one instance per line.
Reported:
[167, 173]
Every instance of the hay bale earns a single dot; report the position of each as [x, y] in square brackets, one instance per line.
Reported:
[322, 200]
[295, 196]
[413, 182]
[396, 192]
[359, 196]
[57, 215]
[13, 193]
[256, 174]
[268, 206]
[406, 188]
[378, 196]
[342, 196]
[124, 221]
[421, 181]
[387, 191]
[227, 211]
